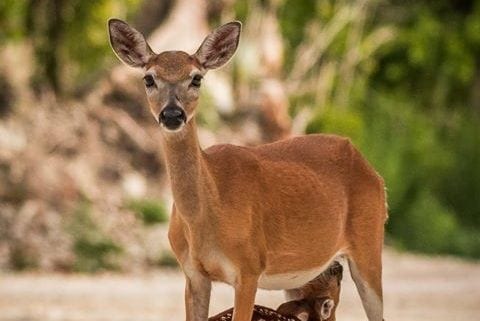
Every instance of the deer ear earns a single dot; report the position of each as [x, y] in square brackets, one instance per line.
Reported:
[219, 46]
[324, 308]
[128, 44]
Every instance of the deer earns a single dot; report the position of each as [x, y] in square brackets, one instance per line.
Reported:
[272, 216]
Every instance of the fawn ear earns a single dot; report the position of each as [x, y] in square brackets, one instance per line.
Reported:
[128, 44]
[302, 315]
[324, 308]
[295, 309]
[336, 270]
[219, 46]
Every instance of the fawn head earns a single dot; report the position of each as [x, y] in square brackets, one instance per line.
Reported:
[173, 78]
[317, 309]
[320, 297]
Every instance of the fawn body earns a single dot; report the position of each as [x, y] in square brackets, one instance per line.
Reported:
[260, 313]
[273, 216]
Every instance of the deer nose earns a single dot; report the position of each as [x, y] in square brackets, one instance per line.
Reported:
[172, 117]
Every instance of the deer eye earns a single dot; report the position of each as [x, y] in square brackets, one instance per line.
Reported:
[149, 81]
[196, 81]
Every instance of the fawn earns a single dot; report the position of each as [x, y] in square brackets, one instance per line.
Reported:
[273, 216]
[319, 297]
[319, 300]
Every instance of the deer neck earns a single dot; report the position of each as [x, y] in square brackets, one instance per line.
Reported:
[190, 179]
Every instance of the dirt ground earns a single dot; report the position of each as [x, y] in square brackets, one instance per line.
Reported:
[416, 288]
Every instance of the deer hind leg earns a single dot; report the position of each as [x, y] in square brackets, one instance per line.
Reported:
[365, 262]
[364, 235]
[369, 286]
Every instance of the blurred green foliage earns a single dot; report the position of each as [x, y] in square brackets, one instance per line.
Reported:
[94, 251]
[149, 211]
[85, 32]
[68, 38]
[412, 107]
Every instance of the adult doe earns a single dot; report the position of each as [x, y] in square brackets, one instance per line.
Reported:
[273, 216]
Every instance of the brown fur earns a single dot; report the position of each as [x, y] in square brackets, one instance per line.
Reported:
[172, 66]
[241, 213]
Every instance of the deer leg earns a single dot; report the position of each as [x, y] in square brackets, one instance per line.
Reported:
[365, 236]
[197, 297]
[365, 262]
[369, 285]
[245, 290]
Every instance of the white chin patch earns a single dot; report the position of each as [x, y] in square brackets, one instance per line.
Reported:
[176, 130]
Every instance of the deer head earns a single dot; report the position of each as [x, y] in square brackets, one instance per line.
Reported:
[173, 78]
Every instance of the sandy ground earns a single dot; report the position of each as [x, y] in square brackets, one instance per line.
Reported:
[416, 288]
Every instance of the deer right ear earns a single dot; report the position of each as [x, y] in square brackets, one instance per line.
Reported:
[219, 46]
[128, 44]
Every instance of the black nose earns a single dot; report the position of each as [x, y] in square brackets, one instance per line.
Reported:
[172, 117]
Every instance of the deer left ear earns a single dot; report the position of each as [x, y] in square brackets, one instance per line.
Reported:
[219, 46]
[129, 44]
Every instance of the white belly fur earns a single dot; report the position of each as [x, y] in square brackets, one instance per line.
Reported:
[292, 280]
[284, 281]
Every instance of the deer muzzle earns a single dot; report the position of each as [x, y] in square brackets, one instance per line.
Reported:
[172, 117]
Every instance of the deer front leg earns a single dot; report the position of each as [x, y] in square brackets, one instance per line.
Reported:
[197, 297]
[245, 290]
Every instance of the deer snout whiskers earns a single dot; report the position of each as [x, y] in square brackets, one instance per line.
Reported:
[172, 117]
